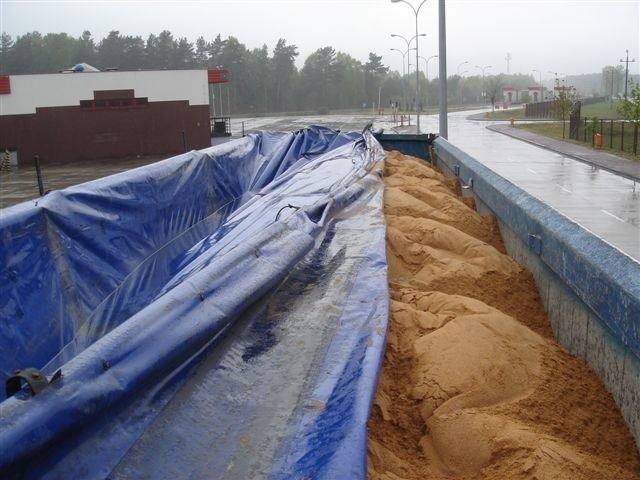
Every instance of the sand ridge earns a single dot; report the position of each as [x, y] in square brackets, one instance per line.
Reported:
[473, 385]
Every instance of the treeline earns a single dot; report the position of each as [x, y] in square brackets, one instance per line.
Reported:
[262, 80]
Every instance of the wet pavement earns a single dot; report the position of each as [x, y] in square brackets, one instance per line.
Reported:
[21, 184]
[606, 161]
[604, 203]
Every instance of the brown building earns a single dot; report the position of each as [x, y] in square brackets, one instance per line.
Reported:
[98, 115]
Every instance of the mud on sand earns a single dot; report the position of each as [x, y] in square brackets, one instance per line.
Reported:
[473, 384]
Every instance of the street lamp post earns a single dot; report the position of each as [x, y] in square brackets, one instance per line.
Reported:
[407, 71]
[626, 71]
[459, 80]
[426, 65]
[541, 88]
[460, 64]
[408, 42]
[443, 121]
[416, 12]
[426, 71]
[404, 72]
[483, 68]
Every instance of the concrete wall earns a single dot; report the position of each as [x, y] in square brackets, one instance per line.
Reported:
[590, 290]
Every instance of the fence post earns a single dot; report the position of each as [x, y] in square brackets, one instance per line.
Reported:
[622, 138]
[611, 136]
[36, 160]
[602, 127]
[635, 139]
[585, 130]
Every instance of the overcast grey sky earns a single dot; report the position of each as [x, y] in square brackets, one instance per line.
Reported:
[564, 36]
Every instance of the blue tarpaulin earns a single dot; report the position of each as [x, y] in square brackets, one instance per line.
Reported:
[220, 314]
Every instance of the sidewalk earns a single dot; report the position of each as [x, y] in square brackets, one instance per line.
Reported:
[605, 161]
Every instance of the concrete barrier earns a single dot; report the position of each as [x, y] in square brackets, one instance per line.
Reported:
[590, 290]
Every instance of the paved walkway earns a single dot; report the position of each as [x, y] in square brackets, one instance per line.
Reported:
[606, 161]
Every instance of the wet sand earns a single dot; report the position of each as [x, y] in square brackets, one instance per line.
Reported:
[473, 384]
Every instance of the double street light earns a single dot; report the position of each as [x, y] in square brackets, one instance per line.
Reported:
[404, 72]
[426, 65]
[408, 42]
[416, 11]
[460, 64]
[484, 93]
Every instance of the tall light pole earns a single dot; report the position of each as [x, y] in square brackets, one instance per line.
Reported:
[483, 68]
[460, 64]
[408, 42]
[416, 11]
[626, 72]
[426, 65]
[443, 122]
[426, 72]
[460, 79]
[404, 93]
[541, 88]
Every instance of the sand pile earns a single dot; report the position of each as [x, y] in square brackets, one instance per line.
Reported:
[473, 384]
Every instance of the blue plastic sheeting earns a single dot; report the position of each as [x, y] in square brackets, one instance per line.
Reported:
[220, 314]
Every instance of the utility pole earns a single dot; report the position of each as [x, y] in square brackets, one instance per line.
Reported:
[626, 72]
[508, 59]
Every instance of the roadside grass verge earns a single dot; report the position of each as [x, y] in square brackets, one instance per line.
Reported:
[554, 130]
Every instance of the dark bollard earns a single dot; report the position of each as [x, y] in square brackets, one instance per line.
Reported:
[36, 160]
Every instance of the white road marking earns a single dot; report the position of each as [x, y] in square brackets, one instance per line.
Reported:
[532, 171]
[612, 215]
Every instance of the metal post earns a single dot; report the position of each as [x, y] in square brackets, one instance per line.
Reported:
[418, 99]
[416, 12]
[611, 97]
[622, 138]
[442, 40]
[626, 72]
[611, 136]
[404, 94]
[36, 160]
[184, 142]
[220, 95]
